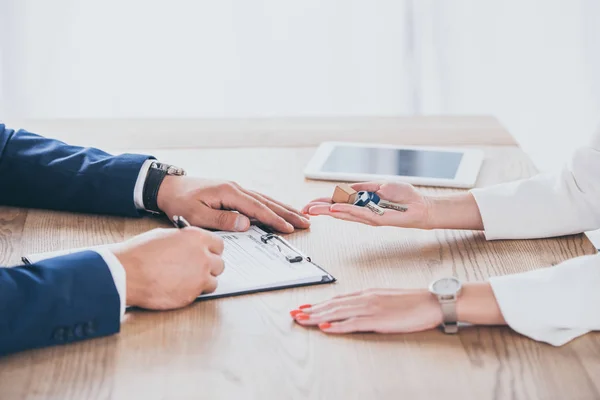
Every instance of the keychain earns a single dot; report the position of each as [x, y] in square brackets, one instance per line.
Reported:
[345, 194]
[369, 200]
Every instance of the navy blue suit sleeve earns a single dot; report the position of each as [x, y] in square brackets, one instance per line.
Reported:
[44, 173]
[56, 301]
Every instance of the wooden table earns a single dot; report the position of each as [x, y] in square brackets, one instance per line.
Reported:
[248, 348]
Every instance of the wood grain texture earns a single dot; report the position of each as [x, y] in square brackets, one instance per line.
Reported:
[248, 348]
[271, 132]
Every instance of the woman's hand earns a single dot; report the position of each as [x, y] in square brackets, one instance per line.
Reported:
[454, 211]
[374, 310]
[398, 310]
[417, 215]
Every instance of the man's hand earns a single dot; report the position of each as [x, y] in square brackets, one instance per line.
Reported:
[211, 204]
[169, 268]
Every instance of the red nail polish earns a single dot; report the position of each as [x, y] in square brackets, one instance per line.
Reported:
[325, 325]
[293, 313]
[304, 306]
[302, 317]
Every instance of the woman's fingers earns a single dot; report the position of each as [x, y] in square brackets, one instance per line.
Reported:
[336, 302]
[335, 314]
[319, 201]
[355, 324]
[324, 210]
[367, 186]
[307, 207]
[359, 212]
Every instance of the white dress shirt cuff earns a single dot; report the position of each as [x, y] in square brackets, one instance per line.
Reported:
[504, 213]
[118, 273]
[554, 304]
[138, 191]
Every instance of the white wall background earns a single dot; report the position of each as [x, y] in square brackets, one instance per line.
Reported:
[206, 58]
[535, 64]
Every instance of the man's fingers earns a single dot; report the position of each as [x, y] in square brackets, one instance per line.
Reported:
[221, 220]
[215, 243]
[217, 265]
[293, 217]
[210, 285]
[286, 206]
[253, 208]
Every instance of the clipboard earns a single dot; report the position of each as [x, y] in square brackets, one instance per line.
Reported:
[255, 261]
[294, 268]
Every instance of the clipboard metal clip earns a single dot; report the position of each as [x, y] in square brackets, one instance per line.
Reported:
[292, 255]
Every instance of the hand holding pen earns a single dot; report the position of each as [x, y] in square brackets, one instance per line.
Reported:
[180, 222]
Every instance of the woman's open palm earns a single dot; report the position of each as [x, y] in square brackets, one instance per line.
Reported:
[416, 215]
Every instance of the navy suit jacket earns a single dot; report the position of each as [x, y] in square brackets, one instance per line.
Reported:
[72, 297]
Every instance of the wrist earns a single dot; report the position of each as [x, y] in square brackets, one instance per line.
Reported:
[164, 192]
[134, 288]
[156, 191]
[477, 305]
[456, 211]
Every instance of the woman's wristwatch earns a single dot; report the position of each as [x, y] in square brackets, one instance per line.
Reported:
[156, 174]
[447, 291]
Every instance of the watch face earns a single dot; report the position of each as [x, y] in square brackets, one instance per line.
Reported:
[446, 286]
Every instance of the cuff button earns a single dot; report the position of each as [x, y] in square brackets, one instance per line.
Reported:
[78, 331]
[59, 334]
[89, 328]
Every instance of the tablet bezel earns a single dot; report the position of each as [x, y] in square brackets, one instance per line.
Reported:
[466, 174]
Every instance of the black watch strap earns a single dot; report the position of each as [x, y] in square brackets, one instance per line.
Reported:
[156, 174]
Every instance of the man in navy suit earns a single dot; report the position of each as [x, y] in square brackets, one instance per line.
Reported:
[83, 295]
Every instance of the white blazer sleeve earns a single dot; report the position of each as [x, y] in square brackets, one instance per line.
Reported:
[552, 305]
[546, 205]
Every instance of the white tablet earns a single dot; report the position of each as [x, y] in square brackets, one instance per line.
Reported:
[418, 165]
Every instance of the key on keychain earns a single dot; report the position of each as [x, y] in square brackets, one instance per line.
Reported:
[364, 198]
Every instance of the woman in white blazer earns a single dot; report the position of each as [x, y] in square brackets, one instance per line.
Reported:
[554, 305]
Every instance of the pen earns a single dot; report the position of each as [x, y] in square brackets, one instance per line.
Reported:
[180, 222]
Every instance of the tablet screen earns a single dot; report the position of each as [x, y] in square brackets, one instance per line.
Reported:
[384, 161]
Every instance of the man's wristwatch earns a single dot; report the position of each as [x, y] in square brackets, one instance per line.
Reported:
[156, 174]
[447, 291]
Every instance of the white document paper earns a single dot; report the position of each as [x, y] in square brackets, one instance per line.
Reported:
[250, 264]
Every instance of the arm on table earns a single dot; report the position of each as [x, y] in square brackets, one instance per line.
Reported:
[46, 173]
[553, 305]
[57, 301]
[546, 205]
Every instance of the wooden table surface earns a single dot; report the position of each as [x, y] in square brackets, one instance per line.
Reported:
[247, 347]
